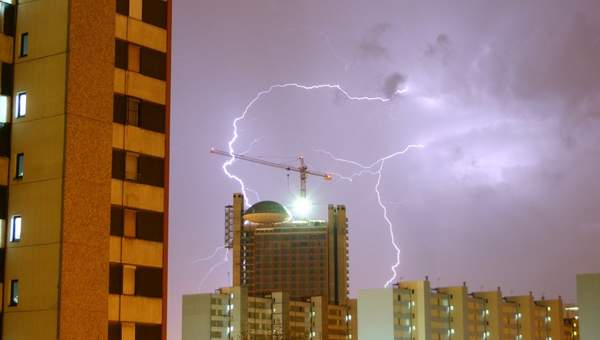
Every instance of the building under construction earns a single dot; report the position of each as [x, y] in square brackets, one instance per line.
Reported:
[273, 252]
[290, 279]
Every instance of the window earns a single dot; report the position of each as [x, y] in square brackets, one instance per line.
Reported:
[24, 45]
[123, 7]
[148, 332]
[21, 104]
[131, 166]
[129, 222]
[121, 54]
[14, 292]
[115, 278]
[153, 63]
[133, 111]
[19, 168]
[154, 12]
[15, 229]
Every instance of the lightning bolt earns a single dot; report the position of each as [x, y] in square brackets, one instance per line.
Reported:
[269, 90]
[375, 168]
[213, 267]
[209, 257]
[368, 169]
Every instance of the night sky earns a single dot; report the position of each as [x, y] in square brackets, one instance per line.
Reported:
[505, 96]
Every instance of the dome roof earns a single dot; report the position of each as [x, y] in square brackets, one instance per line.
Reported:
[266, 212]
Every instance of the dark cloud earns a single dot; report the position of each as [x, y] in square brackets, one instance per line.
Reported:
[439, 48]
[371, 45]
[392, 84]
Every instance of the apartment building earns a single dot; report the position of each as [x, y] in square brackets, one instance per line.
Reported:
[413, 310]
[230, 313]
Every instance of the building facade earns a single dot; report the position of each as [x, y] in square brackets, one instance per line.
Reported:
[272, 252]
[588, 301]
[415, 311]
[84, 160]
[230, 313]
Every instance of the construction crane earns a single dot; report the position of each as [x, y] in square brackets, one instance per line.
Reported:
[302, 169]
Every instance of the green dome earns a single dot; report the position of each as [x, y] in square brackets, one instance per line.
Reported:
[266, 212]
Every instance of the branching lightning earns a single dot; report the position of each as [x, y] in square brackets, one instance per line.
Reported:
[209, 257]
[369, 169]
[214, 266]
[375, 168]
[263, 93]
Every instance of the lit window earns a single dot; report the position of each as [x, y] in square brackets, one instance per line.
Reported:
[15, 229]
[19, 169]
[21, 104]
[14, 292]
[133, 110]
[131, 166]
[24, 44]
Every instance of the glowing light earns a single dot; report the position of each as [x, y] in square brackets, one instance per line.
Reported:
[368, 169]
[301, 207]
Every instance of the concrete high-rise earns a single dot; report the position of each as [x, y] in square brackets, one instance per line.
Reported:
[272, 252]
[84, 159]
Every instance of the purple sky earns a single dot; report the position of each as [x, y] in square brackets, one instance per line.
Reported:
[504, 94]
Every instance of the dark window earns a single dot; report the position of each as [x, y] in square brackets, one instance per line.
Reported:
[3, 206]
[148, 282]
[155, 12]
[149, 226]
[8, 17]
[121, 54]
[24, 45]
[5, 139]
[114, 331]
[6, 87]
[153, 63]
[118, 164]
[14, 292]
[116, 221]
[115, 278]
[148, 332]
[123, 7]
[119, 108]
[152, 116]
[151, 170]
[19, 169]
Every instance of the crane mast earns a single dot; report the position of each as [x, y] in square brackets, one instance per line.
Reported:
[302, 169]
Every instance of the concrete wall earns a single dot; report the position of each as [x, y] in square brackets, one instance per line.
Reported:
[376, 314]
[588, 299]
[195, 319]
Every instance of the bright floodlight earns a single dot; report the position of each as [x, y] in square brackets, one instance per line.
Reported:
[301, 207]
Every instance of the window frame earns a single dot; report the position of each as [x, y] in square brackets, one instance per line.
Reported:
[24, 48]
[14, 293]
[15, 235]
[20, 166]
[21, 106]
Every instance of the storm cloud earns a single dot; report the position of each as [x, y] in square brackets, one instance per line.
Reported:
[504, 94]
